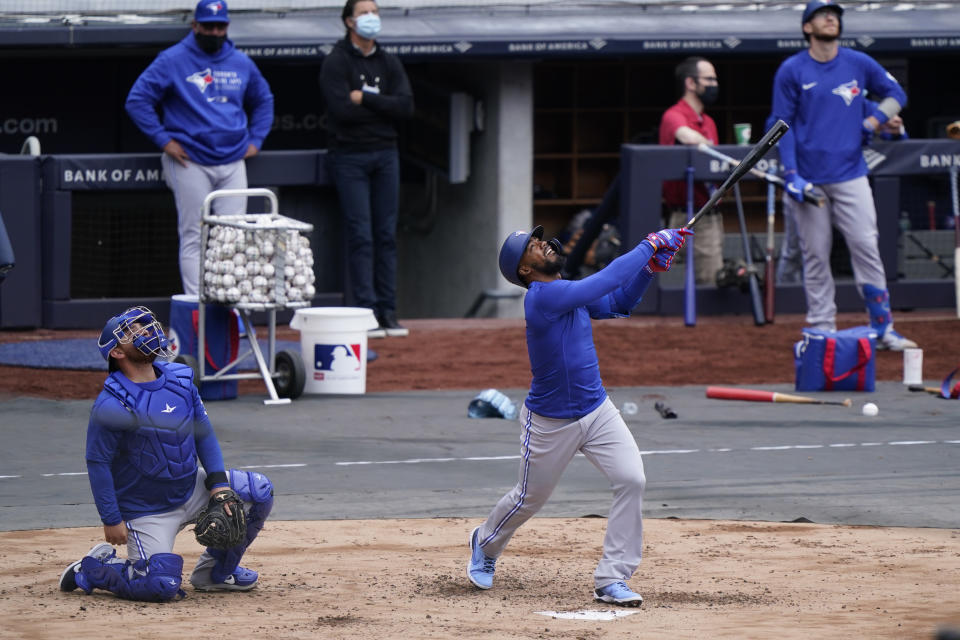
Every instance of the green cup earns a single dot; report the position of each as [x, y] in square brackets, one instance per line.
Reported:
[741, 131]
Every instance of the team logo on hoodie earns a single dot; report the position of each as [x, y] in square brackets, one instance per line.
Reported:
[848, 91]
[203, 79]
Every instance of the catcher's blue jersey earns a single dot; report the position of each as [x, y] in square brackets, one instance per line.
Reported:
[823, 104]
[566, 376]
[143, 441]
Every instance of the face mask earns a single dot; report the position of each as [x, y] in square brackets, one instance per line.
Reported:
[209, 44]
[368, 26]
[710, 94]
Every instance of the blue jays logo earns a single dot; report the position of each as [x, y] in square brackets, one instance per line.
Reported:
[201, 79]
[848, 91]
[214, 7]
[336, 357]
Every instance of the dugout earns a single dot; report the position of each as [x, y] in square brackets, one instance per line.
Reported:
[556, 90]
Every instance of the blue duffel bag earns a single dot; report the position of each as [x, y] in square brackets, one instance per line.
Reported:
[836, 360]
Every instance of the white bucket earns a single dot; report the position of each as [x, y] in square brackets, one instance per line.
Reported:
[333, 342]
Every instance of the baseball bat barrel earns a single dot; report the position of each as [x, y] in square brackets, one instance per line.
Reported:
[759, 395]
[771, 178]
[956, 235]
[755, 299]
[770, 276]
[769, 139]
[690, 276]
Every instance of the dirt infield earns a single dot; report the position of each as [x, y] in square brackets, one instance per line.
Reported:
[475, 354]
[380, 579]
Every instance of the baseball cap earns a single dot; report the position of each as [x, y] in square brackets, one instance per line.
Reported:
[512, 251]
[211, 11]
[815, 5]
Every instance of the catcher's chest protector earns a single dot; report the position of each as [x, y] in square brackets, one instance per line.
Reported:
[161, 445]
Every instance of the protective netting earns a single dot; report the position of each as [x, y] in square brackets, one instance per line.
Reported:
[124, 245]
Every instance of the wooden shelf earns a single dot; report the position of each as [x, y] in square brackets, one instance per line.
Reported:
[585, 110]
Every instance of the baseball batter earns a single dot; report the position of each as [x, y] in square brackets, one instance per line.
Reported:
[819, 93]
[567, 409]
[147, 430]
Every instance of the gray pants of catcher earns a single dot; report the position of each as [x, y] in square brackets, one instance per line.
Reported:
[156, 534]
[190, 185]
[547, 446]
[851, 210]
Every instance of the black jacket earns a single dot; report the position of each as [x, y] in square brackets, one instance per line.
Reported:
[370, 125]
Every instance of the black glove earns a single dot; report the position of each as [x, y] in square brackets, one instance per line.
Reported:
[215, 527]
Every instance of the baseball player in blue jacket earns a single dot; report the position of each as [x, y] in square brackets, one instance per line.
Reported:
[204, 87]
[567, 409]
[819, 93]
[148, 430]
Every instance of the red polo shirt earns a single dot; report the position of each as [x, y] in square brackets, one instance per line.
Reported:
[682, 115]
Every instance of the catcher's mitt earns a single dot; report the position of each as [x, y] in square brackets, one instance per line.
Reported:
[215, 528]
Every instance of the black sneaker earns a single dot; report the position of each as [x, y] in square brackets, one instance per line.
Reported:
[388, 322]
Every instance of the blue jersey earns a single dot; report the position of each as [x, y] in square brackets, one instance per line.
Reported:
[143, 442]
[203, 98]
[566, 376]
[823, 104]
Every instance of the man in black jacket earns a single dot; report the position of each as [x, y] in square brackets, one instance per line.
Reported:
[366, 91]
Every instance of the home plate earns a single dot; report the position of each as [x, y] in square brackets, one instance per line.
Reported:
[610, 614]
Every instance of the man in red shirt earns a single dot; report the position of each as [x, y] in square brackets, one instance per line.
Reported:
[686, 123]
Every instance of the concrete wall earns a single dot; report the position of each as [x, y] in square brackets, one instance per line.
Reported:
[446, 259]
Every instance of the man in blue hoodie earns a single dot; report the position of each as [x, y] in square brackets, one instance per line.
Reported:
[202, 84]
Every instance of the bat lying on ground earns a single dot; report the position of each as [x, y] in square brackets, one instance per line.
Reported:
[920, 387]
[757, 395]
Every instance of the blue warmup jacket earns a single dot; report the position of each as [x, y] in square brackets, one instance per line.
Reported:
[563, 359]
[143, 441]
[204, 100]
[823, 104]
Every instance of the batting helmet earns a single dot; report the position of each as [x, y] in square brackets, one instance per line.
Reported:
[512, 251]
[149, 339]
[815, 5]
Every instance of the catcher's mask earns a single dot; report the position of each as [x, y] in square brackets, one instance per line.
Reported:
[512, 252]
[148, 339]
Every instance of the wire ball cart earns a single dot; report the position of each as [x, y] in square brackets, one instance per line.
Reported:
[254, 262]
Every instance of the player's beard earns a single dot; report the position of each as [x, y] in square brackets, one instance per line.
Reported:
[553, 265]
[826, 37]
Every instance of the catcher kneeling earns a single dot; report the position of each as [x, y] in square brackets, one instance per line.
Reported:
[148, 429]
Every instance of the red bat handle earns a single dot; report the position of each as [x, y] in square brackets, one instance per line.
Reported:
[729, 393]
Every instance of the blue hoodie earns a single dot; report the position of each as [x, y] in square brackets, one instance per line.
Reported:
[203, 99]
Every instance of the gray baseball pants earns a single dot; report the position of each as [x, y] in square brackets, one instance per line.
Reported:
[190, 185]
[547, 446]
[851, 210]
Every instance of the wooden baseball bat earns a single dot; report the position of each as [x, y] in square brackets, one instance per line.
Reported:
[810, 196]
[690, 275]
[770, 273]
[757, 395]
[956, 235]
[769, 139]
[755, 300]
[920, 387]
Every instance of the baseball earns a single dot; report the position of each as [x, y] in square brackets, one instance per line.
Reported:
[870, 409]
[268, 270]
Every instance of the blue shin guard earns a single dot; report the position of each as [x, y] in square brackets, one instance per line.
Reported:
[878, 306]
[254, 488]
[156, 579]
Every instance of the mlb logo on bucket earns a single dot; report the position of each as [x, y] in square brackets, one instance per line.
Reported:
[329, 360]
